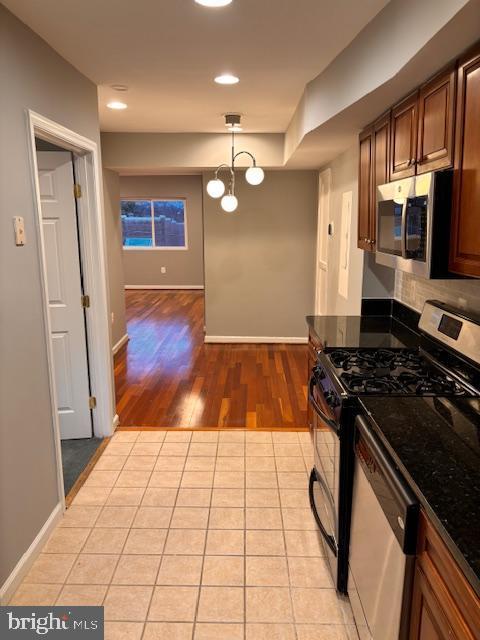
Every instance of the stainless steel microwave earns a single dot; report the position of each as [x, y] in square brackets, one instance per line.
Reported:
[413, 224]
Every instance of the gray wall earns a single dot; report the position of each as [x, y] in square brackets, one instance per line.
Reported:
[260, 260]
[184, 267]
[116, 277]
[34, 77]
[378, 281]
[157, 153]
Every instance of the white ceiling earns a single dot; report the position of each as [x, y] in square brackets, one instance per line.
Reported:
[169, 51]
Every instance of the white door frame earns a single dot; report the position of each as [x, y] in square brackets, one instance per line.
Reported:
[93, 251]
[322, 237]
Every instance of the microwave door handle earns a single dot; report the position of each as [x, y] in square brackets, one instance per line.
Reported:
[404, 228]
[329, 539]
[318, 410]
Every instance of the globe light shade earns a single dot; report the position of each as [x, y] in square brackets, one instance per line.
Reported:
[254, 175]
[215, 188]
[229, 203]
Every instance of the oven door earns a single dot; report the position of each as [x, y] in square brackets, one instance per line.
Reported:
[324, 479]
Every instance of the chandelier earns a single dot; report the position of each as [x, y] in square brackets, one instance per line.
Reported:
[254, 175]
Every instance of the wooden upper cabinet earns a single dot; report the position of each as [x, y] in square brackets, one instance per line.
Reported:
[380, 167]
[436, 119]
[365, 203]
[465, 244]
[404, 138]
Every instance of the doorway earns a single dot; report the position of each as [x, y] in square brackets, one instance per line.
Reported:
[67, 302]
[321, 289]
[66, 177]
[65, 289]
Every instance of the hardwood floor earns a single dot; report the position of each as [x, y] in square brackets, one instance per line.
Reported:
[167, 377]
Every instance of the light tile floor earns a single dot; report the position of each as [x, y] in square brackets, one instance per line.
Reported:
[195, 535]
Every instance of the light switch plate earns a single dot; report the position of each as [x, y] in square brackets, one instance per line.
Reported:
[19, 229]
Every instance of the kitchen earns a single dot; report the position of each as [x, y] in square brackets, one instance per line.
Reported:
[395, 488]
[358, 252]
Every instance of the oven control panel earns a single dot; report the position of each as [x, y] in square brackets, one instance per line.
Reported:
[453, 328]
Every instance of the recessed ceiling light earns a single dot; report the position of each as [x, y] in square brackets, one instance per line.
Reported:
[119, 87]
[115, 104]
[227, 78]
[213, 3]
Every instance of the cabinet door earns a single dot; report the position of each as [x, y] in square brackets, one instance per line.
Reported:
[310, 412]
[428, 621]
[365, 204]
[380, 167]
[314, 346]
[436, 108]
[404, 138]
[465, 247]
[444, 604]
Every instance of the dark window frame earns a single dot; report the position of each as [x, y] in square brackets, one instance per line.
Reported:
[153, 246]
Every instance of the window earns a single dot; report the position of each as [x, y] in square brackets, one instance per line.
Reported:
[153, 224]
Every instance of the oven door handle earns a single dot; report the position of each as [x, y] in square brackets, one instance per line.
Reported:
[329, 539]
[331, 424]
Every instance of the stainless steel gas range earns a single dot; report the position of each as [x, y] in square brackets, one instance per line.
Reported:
[446, 364]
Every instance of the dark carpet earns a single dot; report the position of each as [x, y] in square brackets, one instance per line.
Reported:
[76, 454]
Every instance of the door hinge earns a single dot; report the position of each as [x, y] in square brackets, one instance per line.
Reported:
[77, 191]
[92, 402]
[85, 302]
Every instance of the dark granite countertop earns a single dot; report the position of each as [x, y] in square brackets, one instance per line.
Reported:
[362, 331]
[436, 444]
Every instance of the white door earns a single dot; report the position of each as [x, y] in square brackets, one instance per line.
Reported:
[324, 186]
[67, 320]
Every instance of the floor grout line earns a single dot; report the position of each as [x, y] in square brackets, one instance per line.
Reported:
[167, 535]
[286, 558]
[197, 607]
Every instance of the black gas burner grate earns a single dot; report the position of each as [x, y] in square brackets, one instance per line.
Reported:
[368, 360]
[385, 371]
[369, 383]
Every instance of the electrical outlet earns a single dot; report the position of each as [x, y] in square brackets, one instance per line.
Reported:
[113, 317]
[163, 270]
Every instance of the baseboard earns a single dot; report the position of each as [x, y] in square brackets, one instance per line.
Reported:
[22, 567]
[115, 422]
[254, 340]
[164, 286]
[118, 345]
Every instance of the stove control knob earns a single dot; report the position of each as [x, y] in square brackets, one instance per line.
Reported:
[331, 399]
[319, 373]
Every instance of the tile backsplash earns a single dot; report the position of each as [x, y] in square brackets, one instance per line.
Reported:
[413, 291]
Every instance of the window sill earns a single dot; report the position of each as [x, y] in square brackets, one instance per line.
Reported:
[155, 248]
